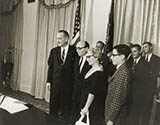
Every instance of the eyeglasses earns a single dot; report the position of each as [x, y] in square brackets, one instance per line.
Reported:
[89, 56]
[115, 55]
[79, 48]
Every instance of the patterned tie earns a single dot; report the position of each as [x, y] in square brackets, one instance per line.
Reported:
[80, 64]
[63, 54]
[80, 61]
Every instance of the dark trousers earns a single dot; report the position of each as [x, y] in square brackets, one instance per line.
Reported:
[58, 109]
[75, 113]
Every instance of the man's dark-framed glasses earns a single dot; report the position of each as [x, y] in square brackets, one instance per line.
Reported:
[79, 48]
[115, 55]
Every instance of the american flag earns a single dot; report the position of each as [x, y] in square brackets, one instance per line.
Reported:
[76, 32]
[110, 30]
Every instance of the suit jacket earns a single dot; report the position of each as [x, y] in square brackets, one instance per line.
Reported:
[116, 100]
[154, 69]
[142, 90]
[108, 67]
[60, 75]
[140, 73]
[154, 65]
[130, 62]
[79, 76]
[140, 82]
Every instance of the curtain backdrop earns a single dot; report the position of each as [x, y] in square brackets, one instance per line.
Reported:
[49, 21]
[17, 39]
[87, 21]
[137, 21]
[94, 19]
[11, 34]
[5, 33]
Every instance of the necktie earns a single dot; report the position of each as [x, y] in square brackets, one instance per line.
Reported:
[146, 58]
[133, 66]
[80, 64]
[63, 54]
[80, 61]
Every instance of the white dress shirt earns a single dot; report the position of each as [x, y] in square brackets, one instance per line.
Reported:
[137, 60]
[149, 57]
[66, 51]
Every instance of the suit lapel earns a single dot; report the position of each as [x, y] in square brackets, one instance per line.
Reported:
[151, 59]
[139, 62]
[117, 71]
[77, 65]
[85, 68]
[59, 55]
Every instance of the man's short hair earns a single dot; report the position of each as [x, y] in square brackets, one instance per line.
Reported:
[122, 49]
[66, 34]
[129, 44]
[148, 43]
[86, 44]
[100, 43]
[136, 46]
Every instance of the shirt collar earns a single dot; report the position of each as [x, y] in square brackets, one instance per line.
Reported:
[137, 60]
[129, 56]
[119, 65]
[149, 56]
[84, 57]
[66, 47]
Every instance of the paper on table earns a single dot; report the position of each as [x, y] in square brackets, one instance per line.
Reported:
[10, 104]
[1, 98]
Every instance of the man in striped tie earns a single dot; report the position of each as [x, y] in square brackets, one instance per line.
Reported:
[61, 77]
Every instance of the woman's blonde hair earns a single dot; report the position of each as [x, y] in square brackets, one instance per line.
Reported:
[94, 52]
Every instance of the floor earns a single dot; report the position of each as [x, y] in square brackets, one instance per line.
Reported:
[39, 103]
[44, 106]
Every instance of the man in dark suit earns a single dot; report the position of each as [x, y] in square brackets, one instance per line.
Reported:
[81, 67]
[61, 77]
[117, 96]
[153, 65]
[108, 67]
[152, 59]
[140, 108]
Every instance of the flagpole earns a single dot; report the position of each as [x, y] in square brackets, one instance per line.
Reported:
[77, 25]
[110, 30]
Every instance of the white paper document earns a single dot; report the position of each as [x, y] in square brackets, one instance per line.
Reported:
[12, 105]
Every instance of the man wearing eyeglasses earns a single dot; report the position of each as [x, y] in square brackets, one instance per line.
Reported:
[81, 67]
[117, 96]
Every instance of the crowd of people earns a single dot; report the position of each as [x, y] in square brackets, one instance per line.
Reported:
[115, 88]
